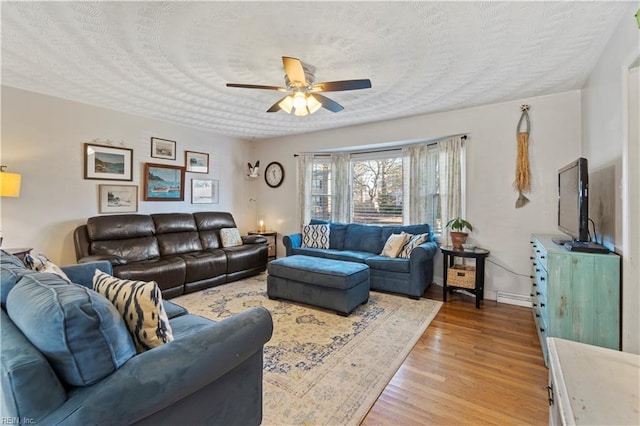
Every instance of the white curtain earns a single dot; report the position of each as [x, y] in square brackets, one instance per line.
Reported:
[340, 188]
[451, 172]
[416, 178]
[304, 169]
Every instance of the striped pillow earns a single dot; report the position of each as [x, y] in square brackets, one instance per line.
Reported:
[140, 304]
[413, 242]
[315, 236]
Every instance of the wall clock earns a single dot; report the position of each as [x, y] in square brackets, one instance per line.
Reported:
[274, 174]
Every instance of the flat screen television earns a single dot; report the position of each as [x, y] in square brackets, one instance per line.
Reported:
[573, 200]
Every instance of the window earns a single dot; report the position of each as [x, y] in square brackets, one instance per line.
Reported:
[321, 189]
[377, 189]
[383, 188]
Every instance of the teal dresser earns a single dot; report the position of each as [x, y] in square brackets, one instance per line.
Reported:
[576, 296]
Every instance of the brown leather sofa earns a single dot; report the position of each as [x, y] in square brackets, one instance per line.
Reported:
[182, 252]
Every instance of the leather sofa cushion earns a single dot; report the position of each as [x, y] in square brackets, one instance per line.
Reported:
[179, 242]
[210, 239]
[168, 272]
[366, 238]
[240, 258]
[206, 221]
[79, 331]
[119, 227]
[166, 223]
[202, 265]
[131, 249]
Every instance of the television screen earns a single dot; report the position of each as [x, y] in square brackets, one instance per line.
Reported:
[573, 204]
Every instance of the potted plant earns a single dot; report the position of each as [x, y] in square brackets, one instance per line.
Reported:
[458, 236]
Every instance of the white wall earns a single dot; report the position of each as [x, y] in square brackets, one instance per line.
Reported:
[42, 138]
[491, 155]
[605, 143]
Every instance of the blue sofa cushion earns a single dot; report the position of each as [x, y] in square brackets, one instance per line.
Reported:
[173, 311]
[80, 332]
[337, 232]
[349, 255]
[389, 264]
[308, 251]
[366, 238]
[387, 230]
[11, 269]
[30, 387]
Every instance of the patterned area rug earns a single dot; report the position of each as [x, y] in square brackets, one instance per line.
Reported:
[321, 368]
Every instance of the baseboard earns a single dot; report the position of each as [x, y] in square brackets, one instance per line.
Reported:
[514, 299]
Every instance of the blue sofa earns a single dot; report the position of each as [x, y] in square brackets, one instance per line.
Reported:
[211, 373]
[355, 242]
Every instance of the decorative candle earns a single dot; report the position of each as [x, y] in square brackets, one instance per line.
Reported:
[261, 226]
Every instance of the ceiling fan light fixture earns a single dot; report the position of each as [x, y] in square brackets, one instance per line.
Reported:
[301, 112]
[299, 101]
[312, 104]
[287, 104]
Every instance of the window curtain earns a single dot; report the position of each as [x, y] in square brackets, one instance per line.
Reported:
[304, 169]
[416, 178]
[451, 169]
[340, 188]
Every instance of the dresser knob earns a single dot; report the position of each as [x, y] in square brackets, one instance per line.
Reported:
[542, 305]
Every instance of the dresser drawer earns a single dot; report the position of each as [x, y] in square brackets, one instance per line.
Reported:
[540, 255]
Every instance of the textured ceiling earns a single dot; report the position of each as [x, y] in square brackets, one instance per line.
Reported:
[171, 60]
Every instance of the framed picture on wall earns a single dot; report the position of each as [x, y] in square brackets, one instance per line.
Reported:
[107, 162]
[204, 191]
[196, 162]
[118, 198]
[163, 182]
[163, 148]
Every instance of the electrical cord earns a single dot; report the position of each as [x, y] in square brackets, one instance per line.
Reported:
[509, 270]
[595, 234]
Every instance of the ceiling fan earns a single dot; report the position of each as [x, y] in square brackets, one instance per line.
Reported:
[305, 97]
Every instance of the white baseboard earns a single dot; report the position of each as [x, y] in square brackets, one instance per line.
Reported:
[514, 299]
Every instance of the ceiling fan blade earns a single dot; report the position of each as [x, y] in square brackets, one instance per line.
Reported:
[276, 107]
[336, 86]
[295, 71]
[257, 86]
[328, 103]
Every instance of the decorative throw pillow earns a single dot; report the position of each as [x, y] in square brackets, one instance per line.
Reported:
[315, 236]
[394, 244]
[413, 242]
[81, 333]
[41, 263]
[140, 304]
[230, 237]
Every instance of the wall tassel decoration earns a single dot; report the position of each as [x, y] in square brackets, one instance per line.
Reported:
[523, 174]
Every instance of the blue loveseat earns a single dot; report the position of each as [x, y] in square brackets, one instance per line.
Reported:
[355, 242]
[211, 373]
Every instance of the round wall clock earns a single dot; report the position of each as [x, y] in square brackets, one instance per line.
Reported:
[274, 174]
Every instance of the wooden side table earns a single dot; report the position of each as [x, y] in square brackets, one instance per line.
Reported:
[20, 253]
[271, 237]
[477, 288]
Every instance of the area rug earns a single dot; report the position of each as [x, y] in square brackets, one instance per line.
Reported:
[321, 368]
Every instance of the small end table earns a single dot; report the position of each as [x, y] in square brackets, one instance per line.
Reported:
[271, 241]
[479, 254]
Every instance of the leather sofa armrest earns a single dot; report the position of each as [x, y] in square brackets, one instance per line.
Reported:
[170, 374]
[114, 260]
[292, 241]
[254, 239]
[83, 272]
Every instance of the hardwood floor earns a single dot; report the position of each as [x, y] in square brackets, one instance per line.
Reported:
[471, 366]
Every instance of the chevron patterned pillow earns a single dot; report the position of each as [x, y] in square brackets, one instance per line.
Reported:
[315, 236]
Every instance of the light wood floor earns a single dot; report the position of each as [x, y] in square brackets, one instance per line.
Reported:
[470, 367]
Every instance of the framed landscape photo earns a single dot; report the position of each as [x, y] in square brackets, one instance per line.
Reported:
[204, 191]
[196, 162]
[163, 148]
[163, 182]
[118, 198]
[107, 162]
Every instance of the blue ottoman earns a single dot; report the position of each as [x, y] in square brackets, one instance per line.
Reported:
[332, 284]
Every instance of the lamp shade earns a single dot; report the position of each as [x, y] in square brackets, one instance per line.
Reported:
[9, 184]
